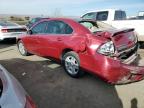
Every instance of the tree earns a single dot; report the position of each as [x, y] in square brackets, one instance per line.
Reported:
[27, 18]
[11, 17]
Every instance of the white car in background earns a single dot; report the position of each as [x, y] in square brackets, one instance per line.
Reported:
[9, 30]
[12, 94]
[118, 19]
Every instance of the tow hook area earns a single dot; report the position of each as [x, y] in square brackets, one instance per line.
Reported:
[136, 73]
[134, 69]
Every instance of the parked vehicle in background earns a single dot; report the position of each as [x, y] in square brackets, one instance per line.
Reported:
[141, 13]
[85, 45]
[117, 18]
[12, 94]
[136, 18]
[9, 30]
[33, 21]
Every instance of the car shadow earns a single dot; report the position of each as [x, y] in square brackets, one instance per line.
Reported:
[52, 88]
[7, 43]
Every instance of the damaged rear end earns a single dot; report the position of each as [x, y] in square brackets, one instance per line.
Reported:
[122, 51]
[126, 45]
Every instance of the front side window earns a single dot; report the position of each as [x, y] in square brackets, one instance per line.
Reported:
[102, 16]
[39, 28]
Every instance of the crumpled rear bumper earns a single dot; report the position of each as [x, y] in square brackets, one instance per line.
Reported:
[115, 71]
[136, 73]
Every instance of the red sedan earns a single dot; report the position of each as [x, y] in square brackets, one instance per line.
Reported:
[85, 45]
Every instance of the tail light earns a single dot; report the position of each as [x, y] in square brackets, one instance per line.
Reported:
[107, 49]
[4, 30]
[29, 103]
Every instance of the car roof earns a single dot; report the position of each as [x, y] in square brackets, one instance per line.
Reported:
[74, 24]
[101, 10]
[74, 19]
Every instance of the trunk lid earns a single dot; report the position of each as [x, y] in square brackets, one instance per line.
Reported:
[125, 42]
[124, 39]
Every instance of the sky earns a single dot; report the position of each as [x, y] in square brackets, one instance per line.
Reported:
[67, 7]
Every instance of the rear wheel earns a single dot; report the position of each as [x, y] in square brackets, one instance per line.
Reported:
[71, 64]
[22, 49]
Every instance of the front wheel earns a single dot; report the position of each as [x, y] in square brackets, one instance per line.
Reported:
[71, 64]
[22, 49]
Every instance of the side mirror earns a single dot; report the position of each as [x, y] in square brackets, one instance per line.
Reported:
[29, 32]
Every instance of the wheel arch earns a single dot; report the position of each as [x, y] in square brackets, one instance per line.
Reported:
[18, 40]
[64, 52]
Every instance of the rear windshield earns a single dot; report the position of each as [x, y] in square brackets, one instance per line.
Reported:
[96, 26]
[7, 23]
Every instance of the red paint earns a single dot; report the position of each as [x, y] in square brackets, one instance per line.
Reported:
[86, 44]
[29, 103]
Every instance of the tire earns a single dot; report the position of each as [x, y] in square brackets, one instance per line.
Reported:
[71, 64]
[22, 49]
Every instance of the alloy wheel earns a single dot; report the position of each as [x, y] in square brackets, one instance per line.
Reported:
[21, 48]
[72, 65]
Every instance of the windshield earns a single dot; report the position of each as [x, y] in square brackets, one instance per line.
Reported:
[96, 26]
[34, 20]
[7, 23]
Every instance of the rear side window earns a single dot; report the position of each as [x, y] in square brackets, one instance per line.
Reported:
[89, 16]
[120, 15]
[102, 16]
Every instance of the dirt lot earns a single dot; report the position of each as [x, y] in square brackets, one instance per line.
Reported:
[49, 86]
